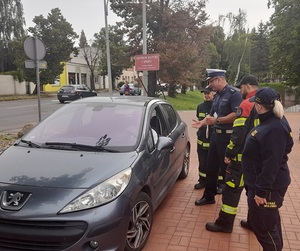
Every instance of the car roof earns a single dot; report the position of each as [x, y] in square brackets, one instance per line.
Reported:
[66, 86]
[138, 101]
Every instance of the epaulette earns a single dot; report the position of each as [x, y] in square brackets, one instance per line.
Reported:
[231, 90]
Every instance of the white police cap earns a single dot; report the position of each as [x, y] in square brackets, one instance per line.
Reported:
[211, 73]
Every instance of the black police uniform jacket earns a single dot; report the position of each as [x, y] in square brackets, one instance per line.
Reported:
[204, 132]
[265, 155]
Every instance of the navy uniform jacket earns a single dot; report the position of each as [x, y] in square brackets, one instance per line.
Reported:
[224, 103]
[204, 132]
[265, 157]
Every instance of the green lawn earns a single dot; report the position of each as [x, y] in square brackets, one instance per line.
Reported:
[188, 101]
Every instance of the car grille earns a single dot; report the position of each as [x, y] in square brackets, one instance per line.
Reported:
[39, 235]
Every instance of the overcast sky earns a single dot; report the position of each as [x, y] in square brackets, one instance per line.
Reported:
[88, 15]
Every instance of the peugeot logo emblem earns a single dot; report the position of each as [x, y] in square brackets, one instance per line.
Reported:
[13, 200]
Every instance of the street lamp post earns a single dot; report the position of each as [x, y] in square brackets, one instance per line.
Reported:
[107, 47]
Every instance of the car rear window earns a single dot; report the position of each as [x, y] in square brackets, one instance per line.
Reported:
[67, 88]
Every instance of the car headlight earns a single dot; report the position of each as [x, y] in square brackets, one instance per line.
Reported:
[101, 194]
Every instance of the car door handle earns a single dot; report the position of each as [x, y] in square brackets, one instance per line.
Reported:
[173, 149]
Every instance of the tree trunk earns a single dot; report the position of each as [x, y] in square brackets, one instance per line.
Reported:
[92, 81]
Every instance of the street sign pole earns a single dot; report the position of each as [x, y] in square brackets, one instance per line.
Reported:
[36, 51]
[37, 69]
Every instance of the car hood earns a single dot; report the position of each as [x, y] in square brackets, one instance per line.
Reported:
[60, 168]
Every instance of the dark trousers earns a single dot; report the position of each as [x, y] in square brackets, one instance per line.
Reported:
[265, 221]
[202, 158]
[215, 164]
[233, 188]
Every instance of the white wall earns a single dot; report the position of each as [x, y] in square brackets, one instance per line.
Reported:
[8, 86]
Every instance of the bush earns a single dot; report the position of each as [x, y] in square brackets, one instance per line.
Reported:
[120, 84]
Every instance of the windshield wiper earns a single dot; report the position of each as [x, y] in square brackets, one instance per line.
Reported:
[75, 146]
[29, 143]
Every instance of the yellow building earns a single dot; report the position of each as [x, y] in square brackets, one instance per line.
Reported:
[77, 72]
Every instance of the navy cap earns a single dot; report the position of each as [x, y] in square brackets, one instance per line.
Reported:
[265, 96]
[211, 73]
[207, 89]
[248, 79]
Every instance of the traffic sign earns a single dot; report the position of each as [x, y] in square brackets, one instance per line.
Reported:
[34, 48]
[41, 64]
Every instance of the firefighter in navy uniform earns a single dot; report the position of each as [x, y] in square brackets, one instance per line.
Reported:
[265, 168]
[203, 136]
[234, 182]
[226, 101]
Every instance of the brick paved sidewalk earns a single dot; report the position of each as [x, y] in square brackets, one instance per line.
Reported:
[179, 225]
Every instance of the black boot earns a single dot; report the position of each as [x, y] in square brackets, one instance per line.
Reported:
[214, 227]
[245, 224]
[203, 201]
[199, 185]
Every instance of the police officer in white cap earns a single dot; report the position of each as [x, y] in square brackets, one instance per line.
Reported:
[221, 117]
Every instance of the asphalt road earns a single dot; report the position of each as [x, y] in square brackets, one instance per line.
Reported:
[15, 114]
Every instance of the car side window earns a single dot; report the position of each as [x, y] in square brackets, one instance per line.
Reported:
[171, 116]
[157, 122]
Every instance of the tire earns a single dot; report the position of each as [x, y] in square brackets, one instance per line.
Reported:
[61, 101]
[140, 223]
[186, 164]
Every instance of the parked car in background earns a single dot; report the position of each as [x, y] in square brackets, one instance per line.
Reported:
[133, 89]
[73, 92]
[90, 175]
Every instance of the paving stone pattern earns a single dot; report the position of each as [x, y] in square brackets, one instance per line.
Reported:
[179, 225]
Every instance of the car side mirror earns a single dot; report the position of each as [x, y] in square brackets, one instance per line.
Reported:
[165, 143]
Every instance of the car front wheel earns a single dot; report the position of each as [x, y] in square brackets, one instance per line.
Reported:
[186, 164]
[140, 223]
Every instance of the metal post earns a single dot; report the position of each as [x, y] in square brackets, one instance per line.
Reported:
[37, 69]
[107, 48]
[145, 73]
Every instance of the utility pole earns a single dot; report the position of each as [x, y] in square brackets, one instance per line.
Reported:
[107, 47]
[145, 73]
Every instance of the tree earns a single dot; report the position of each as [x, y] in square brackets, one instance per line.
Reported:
[11, 28]
[119, 52]
[92, 54]
[260, 53]
[284, 40]
[218, 57]
[175, 30]
[236, 46]
[58, 36]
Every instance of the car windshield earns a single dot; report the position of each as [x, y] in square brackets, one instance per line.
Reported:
[111, 126]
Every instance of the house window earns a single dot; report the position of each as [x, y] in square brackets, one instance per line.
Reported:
[71, 78]
[83, 79]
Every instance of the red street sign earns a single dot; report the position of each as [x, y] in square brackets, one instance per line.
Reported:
[147, 62]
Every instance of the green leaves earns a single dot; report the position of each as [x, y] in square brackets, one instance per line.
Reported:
[284, 40]
[58, 37]
[11, 28]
